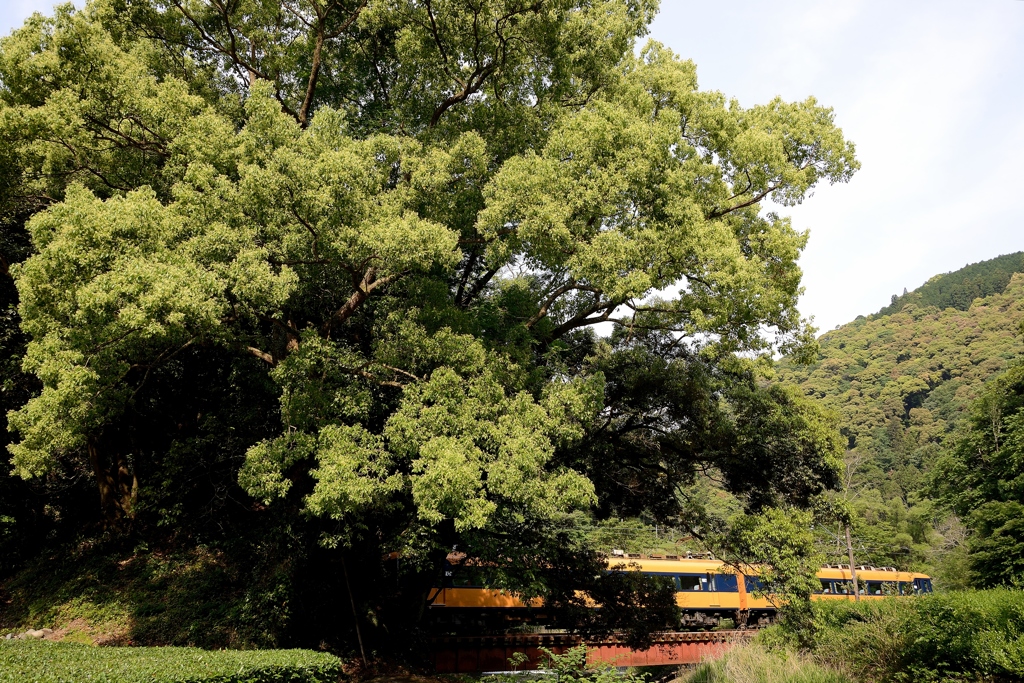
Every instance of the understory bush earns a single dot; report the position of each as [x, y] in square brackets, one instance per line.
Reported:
[197, 596]
[45, 662]
[755, 663]
[955, 636]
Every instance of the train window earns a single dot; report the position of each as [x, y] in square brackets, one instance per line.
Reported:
[724, 583]
[826, 587]
[843, 587]
[691, 582]
[754, 584]
[881, 588]
[922, 585]
[470, 577]
[906, 588]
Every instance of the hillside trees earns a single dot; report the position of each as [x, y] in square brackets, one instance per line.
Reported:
[383, 235]
[903, 384]
[960, 288]
[982, 478]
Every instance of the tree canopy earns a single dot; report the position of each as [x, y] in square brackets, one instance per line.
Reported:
[458, 272]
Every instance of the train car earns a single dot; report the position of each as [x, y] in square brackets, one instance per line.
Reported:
[707, 591]
[873, 582]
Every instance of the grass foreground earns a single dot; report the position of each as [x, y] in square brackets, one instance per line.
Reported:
[754, 663]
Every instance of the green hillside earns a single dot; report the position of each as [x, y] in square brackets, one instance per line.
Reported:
[901, 383]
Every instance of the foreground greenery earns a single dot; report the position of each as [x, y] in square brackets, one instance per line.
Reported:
[963, 635]
[754, 663]
[43, 662]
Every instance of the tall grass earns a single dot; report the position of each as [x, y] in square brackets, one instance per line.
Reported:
[755, 663]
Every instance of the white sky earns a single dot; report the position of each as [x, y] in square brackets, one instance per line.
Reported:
[932, 93]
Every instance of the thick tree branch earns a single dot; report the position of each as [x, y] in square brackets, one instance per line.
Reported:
[478, 286]
[718, 213]
[569, 286]
[314, 71]
[470, 264]
[473, 85]
[583, 319]
[368, 283]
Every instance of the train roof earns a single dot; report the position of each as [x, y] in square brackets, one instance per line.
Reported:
[707, 563]
[674, 564]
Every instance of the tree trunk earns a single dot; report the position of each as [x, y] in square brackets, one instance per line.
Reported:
[853, 567]
[117, 484]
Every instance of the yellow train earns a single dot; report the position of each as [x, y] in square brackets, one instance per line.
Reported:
[707, 591]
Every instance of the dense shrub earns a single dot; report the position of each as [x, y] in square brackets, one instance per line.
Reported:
[972, 635]
[43, 662]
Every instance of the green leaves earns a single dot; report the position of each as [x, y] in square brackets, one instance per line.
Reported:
[459, 443]
[780, 543]
[107, 295]
[473, 447]
[654, 186]
[353, 473]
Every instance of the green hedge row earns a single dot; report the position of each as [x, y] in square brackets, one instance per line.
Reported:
[45, 662]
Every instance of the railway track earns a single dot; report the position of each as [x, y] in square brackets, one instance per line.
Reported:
[475, 654]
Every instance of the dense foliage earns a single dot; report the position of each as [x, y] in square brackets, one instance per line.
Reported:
[902, 383]
[960, 288]
[940, 637]
[983, 480]
[320, 282]
[44, 662]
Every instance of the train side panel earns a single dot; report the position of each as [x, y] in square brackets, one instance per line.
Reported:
[707, 591]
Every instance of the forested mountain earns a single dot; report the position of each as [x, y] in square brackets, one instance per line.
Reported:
[961, 287]
[903, 382]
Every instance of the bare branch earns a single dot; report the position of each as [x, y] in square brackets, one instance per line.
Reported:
[400, 371]
[262, 355]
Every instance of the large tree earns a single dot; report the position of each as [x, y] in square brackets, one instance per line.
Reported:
[415, 220]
